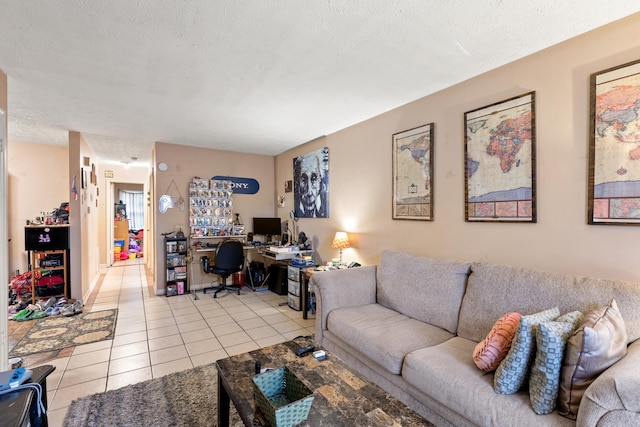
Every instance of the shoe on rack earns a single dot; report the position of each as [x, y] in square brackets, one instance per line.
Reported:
[37, 314]
[23, 315]
[77, 307]
[61, 302]
[52, 311]
[48, 303]
[67, 310]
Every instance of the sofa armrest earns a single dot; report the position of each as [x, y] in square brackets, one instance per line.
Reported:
[613, 399]
[351, 287]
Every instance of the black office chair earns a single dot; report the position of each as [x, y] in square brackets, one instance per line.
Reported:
[229, 260]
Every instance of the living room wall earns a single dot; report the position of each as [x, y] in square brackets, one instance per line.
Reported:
[38, 181]
[561, 241]
[83, 215]
[184, 163]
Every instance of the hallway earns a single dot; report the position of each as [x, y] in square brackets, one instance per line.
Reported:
[156, 335]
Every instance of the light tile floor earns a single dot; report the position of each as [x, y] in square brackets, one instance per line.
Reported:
[156, 335]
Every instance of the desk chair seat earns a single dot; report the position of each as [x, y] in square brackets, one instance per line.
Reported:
[229, 259]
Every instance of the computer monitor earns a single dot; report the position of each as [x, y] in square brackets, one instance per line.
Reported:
[267, 226]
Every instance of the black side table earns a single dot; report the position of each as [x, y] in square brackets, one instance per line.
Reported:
[15, 407]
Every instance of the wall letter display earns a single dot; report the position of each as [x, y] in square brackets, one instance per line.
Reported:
[311, 184]
[614, 149]
[500, 161]
[413, 173]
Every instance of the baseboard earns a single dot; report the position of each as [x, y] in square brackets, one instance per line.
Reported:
[94, 281]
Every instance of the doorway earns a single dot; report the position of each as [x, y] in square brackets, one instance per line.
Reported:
[128, 221]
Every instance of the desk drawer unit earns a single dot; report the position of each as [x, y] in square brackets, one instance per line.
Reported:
[294, 288]
[293, 273]
[295, 296]
[295, 302]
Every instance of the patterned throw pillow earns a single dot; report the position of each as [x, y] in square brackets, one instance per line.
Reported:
[599, 342]
[551, 338]
[489, 353]
[512, 372]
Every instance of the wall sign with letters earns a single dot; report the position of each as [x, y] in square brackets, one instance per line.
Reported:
[241, 185]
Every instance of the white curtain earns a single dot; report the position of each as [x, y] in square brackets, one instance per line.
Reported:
[135, 208]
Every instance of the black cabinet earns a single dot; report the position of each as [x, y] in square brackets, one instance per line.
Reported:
[278, 279]
[48, 261]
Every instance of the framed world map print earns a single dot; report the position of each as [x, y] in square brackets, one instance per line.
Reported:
[413, 173]
[614, 149]
[500, 161]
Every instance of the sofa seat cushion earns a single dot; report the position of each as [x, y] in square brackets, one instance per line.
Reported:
[384, 335]
[447, 373]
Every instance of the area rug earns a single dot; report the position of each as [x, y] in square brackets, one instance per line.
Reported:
[58, 332]
[186, 398]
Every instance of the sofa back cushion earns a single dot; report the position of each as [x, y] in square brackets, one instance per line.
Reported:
[426, 289]
[494, 290]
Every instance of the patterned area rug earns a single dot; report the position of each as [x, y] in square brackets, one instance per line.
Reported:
[58, 332]
[187, 398]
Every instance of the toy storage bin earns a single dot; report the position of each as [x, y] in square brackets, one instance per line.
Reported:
[282, 398]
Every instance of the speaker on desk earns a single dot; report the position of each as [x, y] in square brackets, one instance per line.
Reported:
[249, 237]
[278, 280]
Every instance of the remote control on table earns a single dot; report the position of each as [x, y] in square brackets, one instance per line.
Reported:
[304, 350]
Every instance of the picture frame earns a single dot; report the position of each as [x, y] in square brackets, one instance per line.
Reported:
[500, 161]
[83, 175]
[311, 184]
[412, 157]
[172, 289]
[614, 150]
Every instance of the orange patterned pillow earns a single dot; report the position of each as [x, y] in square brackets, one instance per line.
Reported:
[489, 353]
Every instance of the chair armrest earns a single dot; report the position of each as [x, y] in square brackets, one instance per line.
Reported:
[613, 399]
[342, 288]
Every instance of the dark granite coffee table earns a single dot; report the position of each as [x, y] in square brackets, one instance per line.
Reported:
[342, 397]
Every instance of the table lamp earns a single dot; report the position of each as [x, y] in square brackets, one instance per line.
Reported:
[341, 241]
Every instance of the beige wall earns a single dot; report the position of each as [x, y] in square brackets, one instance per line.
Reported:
[561, 241]
[83, 217]
[38, 182]
[4, 229]
[185, 163]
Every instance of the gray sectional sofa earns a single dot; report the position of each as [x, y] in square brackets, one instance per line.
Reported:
[410, 324]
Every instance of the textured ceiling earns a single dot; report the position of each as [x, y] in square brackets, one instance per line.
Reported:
[256, 76]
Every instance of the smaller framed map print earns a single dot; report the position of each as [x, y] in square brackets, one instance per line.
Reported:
[413, 173]
[614, 146]
[499, 156]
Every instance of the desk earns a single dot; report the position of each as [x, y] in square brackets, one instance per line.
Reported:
[280, 256]
[203, 246]
[15, 407]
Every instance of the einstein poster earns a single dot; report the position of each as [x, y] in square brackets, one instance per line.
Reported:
[311, 184]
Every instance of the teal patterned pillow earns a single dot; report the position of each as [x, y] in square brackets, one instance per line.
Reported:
[512, 372]
[544, 382]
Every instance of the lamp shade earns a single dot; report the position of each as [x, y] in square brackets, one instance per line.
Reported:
[341, 240]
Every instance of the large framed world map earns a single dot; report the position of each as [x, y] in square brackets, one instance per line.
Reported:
[413, 173]
[614, 149]
[500, 161]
